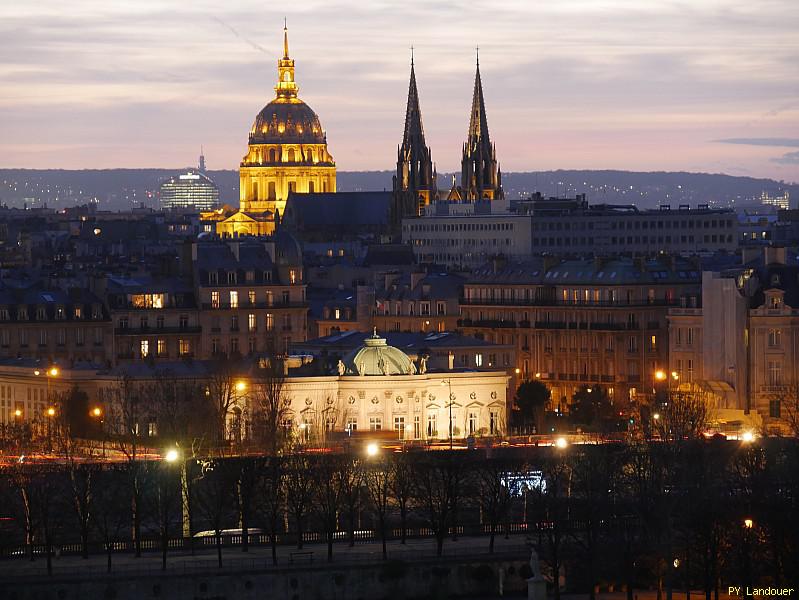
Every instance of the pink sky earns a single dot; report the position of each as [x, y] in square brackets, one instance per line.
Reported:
[574, 84]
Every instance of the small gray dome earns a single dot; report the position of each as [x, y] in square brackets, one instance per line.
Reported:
[376, 357]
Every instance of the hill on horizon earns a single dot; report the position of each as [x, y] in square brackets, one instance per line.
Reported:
[120, 189]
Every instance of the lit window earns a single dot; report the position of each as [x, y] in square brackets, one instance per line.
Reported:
[251, 322]
[214, 299]
[234, 299]
[478, 360]
[144, 347]
[251, 297]
[185, 347]
[375, 423]
[161, 347]
[399, 427]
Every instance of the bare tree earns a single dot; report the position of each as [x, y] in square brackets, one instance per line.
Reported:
[788, 401]
[272, 495]
[684, 416]
[299, 486]
[435, 478]
[327, 477]
[224, 390]
[377, 479]
[271, 406]
[106, 516]
[215, 496]
[494, 493]
[401, 482]
[351, 476]
[127, 412]
[63, 425]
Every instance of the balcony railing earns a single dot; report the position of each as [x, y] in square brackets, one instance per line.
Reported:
[156, 330]
[559, 302]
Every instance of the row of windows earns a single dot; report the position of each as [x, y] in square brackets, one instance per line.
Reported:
[590, 241]
[232, 277]
[234, 298]
[635, 224]
[234, 346]
[462, 242]
[59, 313]
[375, 423]
[45, 336]
[423, 309]
[160, 322]
[462, 227]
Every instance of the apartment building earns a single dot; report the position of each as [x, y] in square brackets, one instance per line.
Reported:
[582, 322]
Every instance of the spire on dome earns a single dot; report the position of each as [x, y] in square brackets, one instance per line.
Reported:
[285, 40]
[286, 87]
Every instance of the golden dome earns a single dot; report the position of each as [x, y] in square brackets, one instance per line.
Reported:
[287, 120]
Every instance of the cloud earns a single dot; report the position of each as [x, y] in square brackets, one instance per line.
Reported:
[778, 142]
[791, 158]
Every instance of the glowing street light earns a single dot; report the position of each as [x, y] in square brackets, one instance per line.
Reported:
[51, 412]
[372, 449]
[656, 416]
[96, 411]
[18, 413]
[748, 437]
[561, 443]
[241, 386]
[660, 375]
[675, 376]
[171, 455]
[749, 523]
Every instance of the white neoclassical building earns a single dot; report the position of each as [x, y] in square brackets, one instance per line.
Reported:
[379, 388]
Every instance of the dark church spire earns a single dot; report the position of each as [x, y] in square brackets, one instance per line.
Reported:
[480, 178]
[478, 123]
[414, 131]
[414, 183]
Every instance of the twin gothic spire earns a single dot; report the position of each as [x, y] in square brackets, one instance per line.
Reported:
[415, 181]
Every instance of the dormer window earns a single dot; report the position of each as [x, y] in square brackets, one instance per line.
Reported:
[213, 278]
[41, 313]
[267, 275]
[59, 313]
[231, 277]
[250, 276]
[775, 279]
[776, 302]
[78, 313]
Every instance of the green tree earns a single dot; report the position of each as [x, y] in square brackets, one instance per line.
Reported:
[532, 398]
[591, 408]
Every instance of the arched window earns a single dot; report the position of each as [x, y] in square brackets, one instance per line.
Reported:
[273, 155]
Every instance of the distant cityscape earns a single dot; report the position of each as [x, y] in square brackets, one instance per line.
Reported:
[123, 189]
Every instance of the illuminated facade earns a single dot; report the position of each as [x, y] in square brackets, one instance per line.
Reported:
[287, 151]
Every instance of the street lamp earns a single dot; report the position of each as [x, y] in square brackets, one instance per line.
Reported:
[561, 443]
[749, 523]
[96, 412]
[448, 382]
[748, 437]
[241, 386]
[171, 455]
[372, 449]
